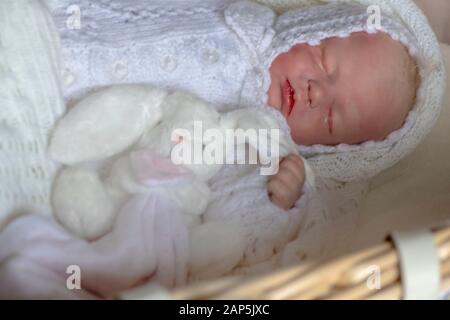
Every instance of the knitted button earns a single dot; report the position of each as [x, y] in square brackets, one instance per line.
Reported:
[69, 77]
[168, 63]
[210, 56]
[120, 70]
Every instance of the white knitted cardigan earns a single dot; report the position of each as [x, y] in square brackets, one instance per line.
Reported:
[169, 44]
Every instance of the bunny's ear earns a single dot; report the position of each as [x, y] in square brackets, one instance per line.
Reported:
[252, 23]
[106, 123]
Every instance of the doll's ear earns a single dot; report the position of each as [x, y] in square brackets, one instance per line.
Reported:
[253, 23]
[105, 123]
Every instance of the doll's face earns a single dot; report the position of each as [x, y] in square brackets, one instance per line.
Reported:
[345, 90]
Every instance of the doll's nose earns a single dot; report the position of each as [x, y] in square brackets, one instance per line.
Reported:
[320, 93]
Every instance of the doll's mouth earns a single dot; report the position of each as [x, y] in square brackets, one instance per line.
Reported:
[288, 96]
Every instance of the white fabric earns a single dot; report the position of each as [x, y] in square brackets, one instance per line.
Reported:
[30, 103]
[239, 195]
[176, 45]
[149, 242]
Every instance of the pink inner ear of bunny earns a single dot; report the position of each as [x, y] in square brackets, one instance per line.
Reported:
[150, 167]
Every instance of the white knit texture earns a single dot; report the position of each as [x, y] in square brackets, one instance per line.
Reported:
[172, 45]
[30, 103]
[239, 195]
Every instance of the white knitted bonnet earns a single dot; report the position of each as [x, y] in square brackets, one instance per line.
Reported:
[340, 18]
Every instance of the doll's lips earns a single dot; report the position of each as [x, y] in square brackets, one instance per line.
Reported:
[288, 96]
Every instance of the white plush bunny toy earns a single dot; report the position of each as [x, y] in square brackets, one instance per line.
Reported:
[120, 141]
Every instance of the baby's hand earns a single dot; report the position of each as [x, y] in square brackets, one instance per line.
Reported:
[286, 186]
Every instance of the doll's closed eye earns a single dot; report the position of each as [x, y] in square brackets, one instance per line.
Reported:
[309, 94]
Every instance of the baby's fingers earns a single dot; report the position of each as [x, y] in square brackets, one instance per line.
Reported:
[294, 164]
[280, 194]
[280, 203]
[290, 181]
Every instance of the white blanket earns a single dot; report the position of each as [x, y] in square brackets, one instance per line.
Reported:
[43, 261]
[30, 103]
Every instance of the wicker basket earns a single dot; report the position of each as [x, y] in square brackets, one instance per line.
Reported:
[344, 278]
